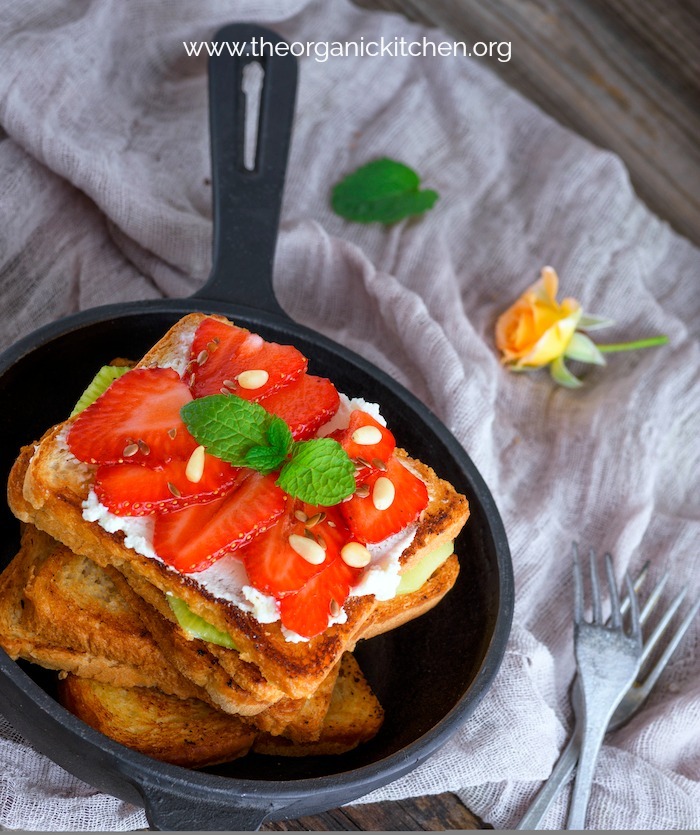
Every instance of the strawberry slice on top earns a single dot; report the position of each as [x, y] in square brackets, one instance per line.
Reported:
[304, 405]
[137, 419]
[391, 500]
[366, 442]
[193, 538]
[275, 566]
[135, 490]
[307, 611]
[213, 346]
[230, 359]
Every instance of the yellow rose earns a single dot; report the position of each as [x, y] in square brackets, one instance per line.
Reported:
[537, 329]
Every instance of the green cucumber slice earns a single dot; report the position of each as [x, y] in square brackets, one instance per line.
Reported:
[196, 626]
[100, 383]
[414, 578]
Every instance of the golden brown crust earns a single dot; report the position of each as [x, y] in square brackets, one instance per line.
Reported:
[390, 614]
[58, 610]
[184, 732]
[354, 716]
[191, 733]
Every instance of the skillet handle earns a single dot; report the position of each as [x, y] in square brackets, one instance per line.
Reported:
[247, 201]
[168, 810]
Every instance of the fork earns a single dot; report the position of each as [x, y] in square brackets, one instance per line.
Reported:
[633, 699]
[607, 660]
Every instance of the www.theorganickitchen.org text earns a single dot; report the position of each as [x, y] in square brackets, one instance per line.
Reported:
[321, 51]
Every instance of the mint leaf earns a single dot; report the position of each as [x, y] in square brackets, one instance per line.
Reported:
[279, 436]
[227, 426]
[383, 191]
[264, 459]
[320, 472]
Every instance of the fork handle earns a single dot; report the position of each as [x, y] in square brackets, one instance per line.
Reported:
[532, 819]
[590, 746]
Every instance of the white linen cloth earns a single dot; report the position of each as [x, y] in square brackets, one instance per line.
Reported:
[104, 196]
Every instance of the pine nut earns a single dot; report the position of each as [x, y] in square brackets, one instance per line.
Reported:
[383, 493]
[195, 466]
[202, 357]
[355, 555]
[308, 549]
[253, 379]
[367, 435]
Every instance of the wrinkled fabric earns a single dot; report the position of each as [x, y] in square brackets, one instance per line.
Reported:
[105, 196]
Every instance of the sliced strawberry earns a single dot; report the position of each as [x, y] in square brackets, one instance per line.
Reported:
[370, 525]
[307, 611]
[135, 490]
[305, 405]
[193, 538]
[274, 567]
[214, 344]
[137, 420]
[216, 365]
[369, 458]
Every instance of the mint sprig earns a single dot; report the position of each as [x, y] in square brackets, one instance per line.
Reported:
[317, 471]
[319, 467]
[383, 191]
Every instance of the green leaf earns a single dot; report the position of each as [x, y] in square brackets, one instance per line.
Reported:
[279, 436]
[320, 472]
[561, 374]
[227, 426]
[264, 459]
[588, 322]
[583, 349]
[383, 191]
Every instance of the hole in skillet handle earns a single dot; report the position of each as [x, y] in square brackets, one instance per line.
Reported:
[251, 112]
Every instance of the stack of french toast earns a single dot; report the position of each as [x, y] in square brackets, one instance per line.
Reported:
[198, 601]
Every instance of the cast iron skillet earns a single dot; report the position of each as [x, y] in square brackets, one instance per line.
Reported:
[429, 675]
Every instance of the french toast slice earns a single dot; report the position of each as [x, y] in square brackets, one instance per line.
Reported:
[52, 486]
[63, 612]
[353, 717]
[186, 732]
[60, 611]
[191, 733]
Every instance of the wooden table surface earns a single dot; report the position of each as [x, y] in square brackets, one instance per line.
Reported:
[626, 75]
